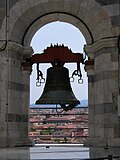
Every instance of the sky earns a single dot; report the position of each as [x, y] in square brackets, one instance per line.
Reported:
[61, 33]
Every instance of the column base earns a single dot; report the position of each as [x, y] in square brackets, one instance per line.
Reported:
[102, 142]
[15, 142]
[99, 152]
[24, 143]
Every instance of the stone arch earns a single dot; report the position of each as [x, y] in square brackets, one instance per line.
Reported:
[57, 16]
[26, 18]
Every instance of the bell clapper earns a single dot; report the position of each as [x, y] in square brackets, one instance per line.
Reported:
[58, 113]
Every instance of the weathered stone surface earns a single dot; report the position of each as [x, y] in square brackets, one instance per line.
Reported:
[115, 20]
[108, 2]
[99, 22]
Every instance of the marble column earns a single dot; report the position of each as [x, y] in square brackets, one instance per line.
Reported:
[14, 97]
[104, 123]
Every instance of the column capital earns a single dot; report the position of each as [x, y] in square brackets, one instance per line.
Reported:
[89, 67]
[102, 43]
[16, 47]
[27, 67]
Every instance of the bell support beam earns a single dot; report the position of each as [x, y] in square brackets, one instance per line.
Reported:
[55, 54]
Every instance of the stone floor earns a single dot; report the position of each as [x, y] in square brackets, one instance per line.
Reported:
[57, 152]
[44, 153]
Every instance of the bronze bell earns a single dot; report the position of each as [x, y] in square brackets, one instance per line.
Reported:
[57, 89]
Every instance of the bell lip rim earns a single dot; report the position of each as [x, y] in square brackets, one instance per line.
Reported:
[57, 103]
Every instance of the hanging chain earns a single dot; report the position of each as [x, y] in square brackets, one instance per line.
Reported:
[78, 73]
[40, 78]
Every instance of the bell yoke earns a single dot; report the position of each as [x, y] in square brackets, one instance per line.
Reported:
[57, 89]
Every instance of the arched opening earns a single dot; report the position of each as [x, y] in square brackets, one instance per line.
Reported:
[61, 33]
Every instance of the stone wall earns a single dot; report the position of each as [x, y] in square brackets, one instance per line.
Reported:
[99, 21]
